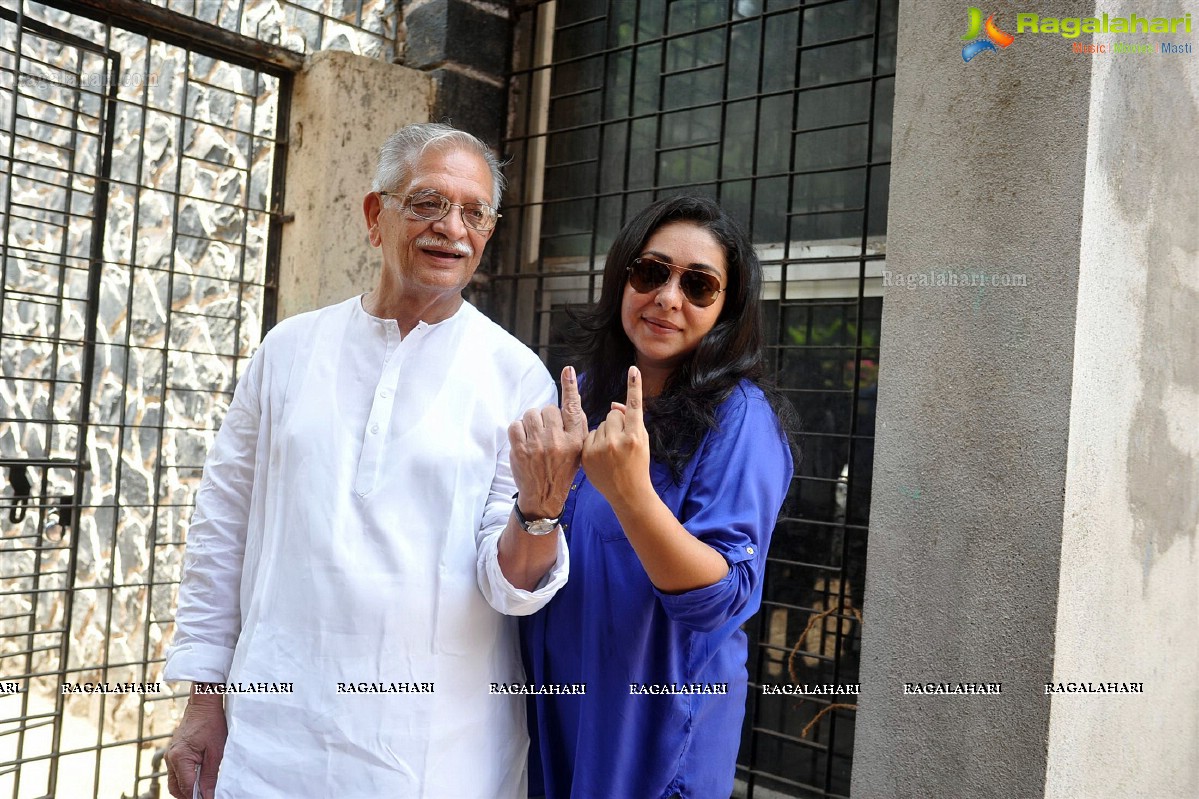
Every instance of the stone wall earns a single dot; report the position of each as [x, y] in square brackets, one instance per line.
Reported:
[364, 27]
[179, 309]
[181, 290]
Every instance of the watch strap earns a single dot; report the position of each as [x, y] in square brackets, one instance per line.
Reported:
[534, 526]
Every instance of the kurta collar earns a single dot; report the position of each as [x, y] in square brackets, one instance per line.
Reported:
[422, 327]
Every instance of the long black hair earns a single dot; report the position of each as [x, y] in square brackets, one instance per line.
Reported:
[678, 418]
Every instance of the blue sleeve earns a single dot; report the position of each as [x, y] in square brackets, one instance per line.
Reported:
[742, 474]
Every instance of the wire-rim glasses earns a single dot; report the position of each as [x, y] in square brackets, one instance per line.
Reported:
[431, 206]
[649, 274]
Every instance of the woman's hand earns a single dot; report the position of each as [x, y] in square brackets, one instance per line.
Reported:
[616, 454]
[546, 446]
[616, 459]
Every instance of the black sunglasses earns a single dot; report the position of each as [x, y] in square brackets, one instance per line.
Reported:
[699, 287]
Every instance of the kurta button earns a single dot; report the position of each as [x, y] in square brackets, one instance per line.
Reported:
[384, 393]
[374, 429]
[749, 550]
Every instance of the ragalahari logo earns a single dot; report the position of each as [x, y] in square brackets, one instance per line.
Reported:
[985, 35]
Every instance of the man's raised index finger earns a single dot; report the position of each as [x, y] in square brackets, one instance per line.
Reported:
[572, 403]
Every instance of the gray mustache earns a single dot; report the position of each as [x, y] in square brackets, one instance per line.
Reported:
[459, 247]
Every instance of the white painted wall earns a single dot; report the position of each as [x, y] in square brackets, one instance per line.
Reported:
[1128, 607]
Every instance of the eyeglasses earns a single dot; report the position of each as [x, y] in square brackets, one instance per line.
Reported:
[699, 287]
[431, 206]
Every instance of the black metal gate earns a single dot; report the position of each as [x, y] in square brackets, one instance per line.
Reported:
[139, 226]
[58, 147]
[781, 110]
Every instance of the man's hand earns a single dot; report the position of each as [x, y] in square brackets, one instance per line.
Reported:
[546, 446]
[199, 740]
[616, 454]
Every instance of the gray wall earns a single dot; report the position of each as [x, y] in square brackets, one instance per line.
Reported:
[974, 411]
[1035, 507]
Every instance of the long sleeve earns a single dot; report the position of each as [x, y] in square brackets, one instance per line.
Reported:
[335, 548]
[536, 390]
[208, 619]
[739, 484]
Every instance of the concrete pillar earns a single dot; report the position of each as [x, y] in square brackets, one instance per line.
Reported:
[1035, 504]
[342, 108]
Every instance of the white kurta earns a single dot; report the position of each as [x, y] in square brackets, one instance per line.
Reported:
[345, 531]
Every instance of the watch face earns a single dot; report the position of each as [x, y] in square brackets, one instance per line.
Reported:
[541, 526]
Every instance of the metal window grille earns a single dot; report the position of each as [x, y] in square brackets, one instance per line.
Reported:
[365, 27]
[781, 110]
[138, 243]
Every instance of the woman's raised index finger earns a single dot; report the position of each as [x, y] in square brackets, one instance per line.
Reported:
[633, 401]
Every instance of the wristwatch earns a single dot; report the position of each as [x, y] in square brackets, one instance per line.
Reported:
[534, 526]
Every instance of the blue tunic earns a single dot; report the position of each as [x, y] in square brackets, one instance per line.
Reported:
[610, 629]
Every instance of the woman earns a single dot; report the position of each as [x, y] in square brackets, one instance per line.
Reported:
[668, 521]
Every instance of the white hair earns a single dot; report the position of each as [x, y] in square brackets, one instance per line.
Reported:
[405, 147]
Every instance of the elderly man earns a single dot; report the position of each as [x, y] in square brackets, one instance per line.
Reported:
[355, 539]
